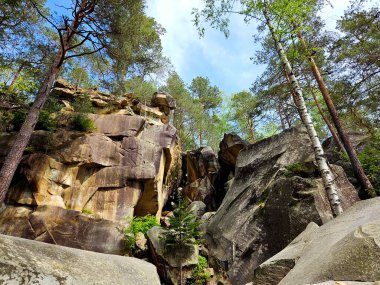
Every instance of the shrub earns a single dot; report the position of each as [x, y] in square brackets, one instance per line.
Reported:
[18, 119]
[81, 123]
[46, 122]
[183, 230]
[138, 224]
[83, 105]
[370, 159]
[199, 275]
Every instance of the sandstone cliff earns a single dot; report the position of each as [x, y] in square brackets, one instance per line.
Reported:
[78, 188]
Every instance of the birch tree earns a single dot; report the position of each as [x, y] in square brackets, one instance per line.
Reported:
[216, 12]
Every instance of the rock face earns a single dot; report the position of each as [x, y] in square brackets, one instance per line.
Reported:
[349, 245]
[31, 262]
[272, 271]
[275, 194]
[126, 166]
[202, 170]
[229, 148]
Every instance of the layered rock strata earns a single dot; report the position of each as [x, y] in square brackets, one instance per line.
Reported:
[125, 166]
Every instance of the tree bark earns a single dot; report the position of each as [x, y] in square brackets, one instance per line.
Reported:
[351, 152]
[323, 167]
[281, 117]
[327, 121]
[251, 129]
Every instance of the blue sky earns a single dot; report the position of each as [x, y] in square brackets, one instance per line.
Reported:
[226, 62]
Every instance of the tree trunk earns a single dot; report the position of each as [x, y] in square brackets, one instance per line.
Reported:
[281, 117]
[323, 167]
[327, 122]
[252, 129]
[16, 76]
[356, 165]
[15, 154]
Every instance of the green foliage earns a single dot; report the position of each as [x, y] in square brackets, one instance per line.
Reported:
[208, 96]
[295, 169]
[142, 89]
[370, 159]
[86, 211]
[80, 122]
[83, 104]
[45, 122]
[183, 231]
[18, 119]
[199, 275]
[245, 109]
[135, 44]
[138, 224]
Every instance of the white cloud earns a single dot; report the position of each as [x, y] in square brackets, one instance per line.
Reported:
[226, 62]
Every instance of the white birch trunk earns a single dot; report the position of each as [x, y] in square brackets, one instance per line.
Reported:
[323, 167]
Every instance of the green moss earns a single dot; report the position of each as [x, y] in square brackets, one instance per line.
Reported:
[295, 169]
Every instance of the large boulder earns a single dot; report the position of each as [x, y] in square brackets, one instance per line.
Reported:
[346, 248]
[164, 101]
[31, 262]
[63, 227]
[269, 204]
[272, 271]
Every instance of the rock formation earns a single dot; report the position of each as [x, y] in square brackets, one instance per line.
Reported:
[126, 166]
[346, 248]
[30, 262]
[201, 171]
[276, 192]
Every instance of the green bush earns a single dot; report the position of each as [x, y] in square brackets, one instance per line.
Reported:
[370, 159]
[199, 275]
[80, 122]
[46, 122]
[18, 119]
[83, 105]
[138, 224]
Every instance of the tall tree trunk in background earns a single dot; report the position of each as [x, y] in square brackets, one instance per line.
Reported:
[327, 122]
[323, 167]
[281, 117]
[16, 76]
[356, 165]
[14, 156]
[252, 129]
